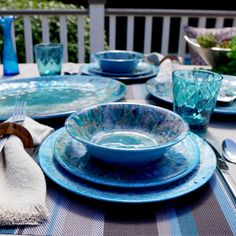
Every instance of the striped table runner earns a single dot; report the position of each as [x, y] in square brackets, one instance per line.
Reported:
[210, 210]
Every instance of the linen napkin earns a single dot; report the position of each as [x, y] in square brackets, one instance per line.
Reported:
[167, 64]
[22, 183]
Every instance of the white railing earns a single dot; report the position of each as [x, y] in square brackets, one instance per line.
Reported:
[99, 15]
[219, 19]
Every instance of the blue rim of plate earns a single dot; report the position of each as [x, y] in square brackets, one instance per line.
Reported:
[142, 69]
[198, 177]
[58, 96]
[178, 161]
[164, 93]
[84, 70]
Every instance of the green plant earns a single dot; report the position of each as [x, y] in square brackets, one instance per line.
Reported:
[227, 62]
[54, 26]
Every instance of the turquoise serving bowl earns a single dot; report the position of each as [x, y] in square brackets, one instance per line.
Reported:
[126, 134]
[118, 61]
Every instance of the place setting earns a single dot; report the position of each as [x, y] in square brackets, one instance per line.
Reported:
[126, 66]
[127, 153]
[161, 87]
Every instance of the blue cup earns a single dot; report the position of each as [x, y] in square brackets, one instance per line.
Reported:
[194, 96]
[48, 57]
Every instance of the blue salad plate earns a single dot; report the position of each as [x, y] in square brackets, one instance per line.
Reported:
[178, 161]
[144, 71]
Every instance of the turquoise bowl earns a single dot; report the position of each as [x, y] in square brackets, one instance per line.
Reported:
[126, 134]
[118, 61]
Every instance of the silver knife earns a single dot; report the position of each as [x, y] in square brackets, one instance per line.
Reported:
[223, 170]
[220, 162]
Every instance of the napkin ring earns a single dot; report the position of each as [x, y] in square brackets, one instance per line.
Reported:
[7, 128]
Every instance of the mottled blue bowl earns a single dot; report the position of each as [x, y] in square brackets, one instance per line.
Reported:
[118, 61]
[126, 134]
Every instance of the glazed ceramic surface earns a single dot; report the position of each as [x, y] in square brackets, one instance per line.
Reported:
[86, 70]
[178, 161]
[141, 69]
[118, 61]
[163, 91]
[52, 96]
[128, 134]
[198, 177]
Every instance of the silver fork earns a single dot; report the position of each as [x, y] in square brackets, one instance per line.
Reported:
[19, 112]
[18, 116]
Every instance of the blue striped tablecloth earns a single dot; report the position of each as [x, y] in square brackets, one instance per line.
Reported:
[210, 210]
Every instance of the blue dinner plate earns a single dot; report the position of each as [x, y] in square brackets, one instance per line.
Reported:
[141, 69]
[85, 70]
[199, 176]
[177, 162]
[163, 91]
[54, 96]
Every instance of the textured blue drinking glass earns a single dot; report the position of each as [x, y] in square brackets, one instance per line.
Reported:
[48, 57]
[195, 93]
[9, 58]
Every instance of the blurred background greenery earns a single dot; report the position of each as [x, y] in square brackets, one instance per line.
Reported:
[54, 25]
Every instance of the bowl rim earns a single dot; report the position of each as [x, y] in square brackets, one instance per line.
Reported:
[139, 54]
[179, 138]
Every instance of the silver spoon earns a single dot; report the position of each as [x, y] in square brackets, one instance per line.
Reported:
[226, 99]
[229, 150]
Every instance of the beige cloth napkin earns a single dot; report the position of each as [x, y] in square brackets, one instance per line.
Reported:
[22, 183]
[165, 68]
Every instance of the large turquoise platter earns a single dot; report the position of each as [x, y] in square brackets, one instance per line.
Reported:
[54, 96]
[177, 162]
[198, 177]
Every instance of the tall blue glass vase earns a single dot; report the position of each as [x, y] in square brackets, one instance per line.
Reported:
[9, 59]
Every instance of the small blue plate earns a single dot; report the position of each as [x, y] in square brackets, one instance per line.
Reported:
[141, 69]
[198, 177]
[163, 91]
[177, 162]
[85, 70]
[54, 96]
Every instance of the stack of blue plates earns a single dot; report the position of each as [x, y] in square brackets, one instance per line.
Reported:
[183, 168]
[143, 71]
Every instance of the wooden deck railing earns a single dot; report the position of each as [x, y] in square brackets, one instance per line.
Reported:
[159, 28]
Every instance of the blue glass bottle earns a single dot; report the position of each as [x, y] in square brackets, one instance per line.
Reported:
[9, 59]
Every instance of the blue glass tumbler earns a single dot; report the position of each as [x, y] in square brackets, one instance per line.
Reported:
[9, 59]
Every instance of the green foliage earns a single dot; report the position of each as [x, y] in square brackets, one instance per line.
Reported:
[54, 26]
[227, 64]
[229, 67]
